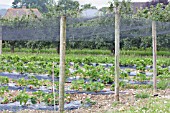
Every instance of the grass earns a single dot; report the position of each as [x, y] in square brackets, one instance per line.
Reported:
[92, 52]
[147, 105]
[51, 55]
[162, 84]
[152, 105]
[142, 95]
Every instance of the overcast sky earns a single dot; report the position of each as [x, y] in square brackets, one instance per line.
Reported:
[97, 3]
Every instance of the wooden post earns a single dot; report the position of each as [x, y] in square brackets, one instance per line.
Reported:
[154, 45]
[0, 40]
[62, 62]
[117, 49]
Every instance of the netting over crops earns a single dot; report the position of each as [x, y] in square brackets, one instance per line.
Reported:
[82, 29]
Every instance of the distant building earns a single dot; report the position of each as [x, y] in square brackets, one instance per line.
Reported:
[19, 12]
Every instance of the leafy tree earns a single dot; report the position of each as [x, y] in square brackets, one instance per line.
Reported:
[87, 6]
[155, 11]
[124, 6]
[104, 10]
[17, 24]
[68, 7]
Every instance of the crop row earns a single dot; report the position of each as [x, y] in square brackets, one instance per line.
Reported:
[87, 60]
[23, 97]
[91, 84]
[40, 66]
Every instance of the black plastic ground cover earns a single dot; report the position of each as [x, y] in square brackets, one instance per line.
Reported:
[90, 92]
[14, 107]
[27, 89]
[16, 88]
[12, 86]
[107, 65]
[141, 82]
[17, 76]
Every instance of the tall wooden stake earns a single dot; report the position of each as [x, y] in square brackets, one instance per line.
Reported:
[117, 49]
[53, 86]
[0, 40]
[154, 44]
[62, 62]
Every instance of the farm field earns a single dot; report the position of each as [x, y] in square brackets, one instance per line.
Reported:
[68, 57]
[26, 82]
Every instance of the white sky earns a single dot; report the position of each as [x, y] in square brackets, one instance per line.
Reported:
[97, 3]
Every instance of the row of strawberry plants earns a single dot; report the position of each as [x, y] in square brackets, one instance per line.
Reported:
[39, 65]
[87, 59]
[35, 97]
[43, 67]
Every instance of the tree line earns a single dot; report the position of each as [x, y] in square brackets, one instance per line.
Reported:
[51, 9]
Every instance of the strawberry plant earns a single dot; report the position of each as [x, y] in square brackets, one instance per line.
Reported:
[22, 82]
[22, 97]
[112, 70]
[162, 70]
[3, 90]
[123, 75]
[34, 99]
[106, 78]
[76, 85]
[140, 67]
[128, 70]
[57, 85]
[78, 72]
[40, 95]
[122, 84]
[76, 66]
[93, 86]
[5, 100]
[4, 80]
[56, 71]
[112, 88]
[35, 82]
[49, 99]
[141, 77]
[91, 73]
[164, 76]
[44, 82]
[87, 60]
